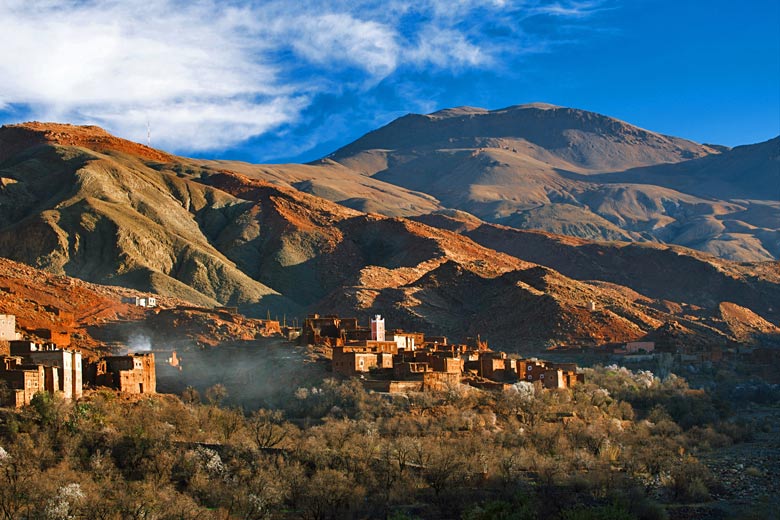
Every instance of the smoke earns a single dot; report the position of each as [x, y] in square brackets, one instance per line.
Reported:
[139, 342]
[259, 374]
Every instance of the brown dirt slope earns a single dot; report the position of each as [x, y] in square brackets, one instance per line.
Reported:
[662, 272]
[210, 235]
[582, 174]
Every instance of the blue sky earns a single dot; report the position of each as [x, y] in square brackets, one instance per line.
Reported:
[278, 81]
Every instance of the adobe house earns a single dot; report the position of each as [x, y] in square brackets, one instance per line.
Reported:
[493, 365]
[8, 328]
[131, 374]
[59, 338]
[450, 365]
[68, 379]
[550, 375]
[411, 369]
[408, 340]
[390, 347]
[22, 381]
[350, 362]
[330, 329]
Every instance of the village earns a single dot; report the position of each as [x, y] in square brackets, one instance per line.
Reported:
[396, 361]
[383, 359]
[30, 367]
[43, 360]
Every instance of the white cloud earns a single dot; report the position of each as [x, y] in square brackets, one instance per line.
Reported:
[338, 39]
[210, 74]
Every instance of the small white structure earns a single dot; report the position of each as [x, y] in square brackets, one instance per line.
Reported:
[141, 301]
[404, 341]
[378, 328]
[592, 306]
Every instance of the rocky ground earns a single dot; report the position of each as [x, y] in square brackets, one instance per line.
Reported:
[749, 472]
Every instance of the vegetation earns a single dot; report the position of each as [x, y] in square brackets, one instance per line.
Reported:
[617, 447]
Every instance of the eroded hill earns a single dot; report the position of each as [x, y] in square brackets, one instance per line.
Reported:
[557, 169]
[112, 214]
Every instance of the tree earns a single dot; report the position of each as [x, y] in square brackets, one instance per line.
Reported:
[268, 428]
[216, 394]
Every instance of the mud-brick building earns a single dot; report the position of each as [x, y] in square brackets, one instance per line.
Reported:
[21, 381]
[65, 362]
[408, 340]
[132, 374]
[8, 327]
[550, 375]
[331, 330]
[351, 362]
[60, 338]
[493, 365]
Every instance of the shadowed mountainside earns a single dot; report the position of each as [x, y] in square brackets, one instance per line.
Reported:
[111, 214]
[558, 169]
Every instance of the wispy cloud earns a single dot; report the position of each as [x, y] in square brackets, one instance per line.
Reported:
[209, 74]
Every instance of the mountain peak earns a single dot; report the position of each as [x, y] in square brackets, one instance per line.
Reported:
[539, 105]
[18, 137]
[583, 140]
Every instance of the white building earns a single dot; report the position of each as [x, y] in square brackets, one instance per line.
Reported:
[8, 328]
[141, 301]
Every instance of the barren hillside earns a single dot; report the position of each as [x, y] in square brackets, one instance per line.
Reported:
[189, 230]
[557, 169]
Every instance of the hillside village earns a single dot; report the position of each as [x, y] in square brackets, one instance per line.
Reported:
[396, 361]
[388, 360]
[29, 367]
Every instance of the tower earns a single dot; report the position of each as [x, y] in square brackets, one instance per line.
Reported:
[378, 328]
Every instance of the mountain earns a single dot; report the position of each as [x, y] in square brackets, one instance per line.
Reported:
[749, 172]
[663, 272]
[557, 169]
[568, 138]
[79, 202]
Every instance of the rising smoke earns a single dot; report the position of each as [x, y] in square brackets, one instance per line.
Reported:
[139, 342]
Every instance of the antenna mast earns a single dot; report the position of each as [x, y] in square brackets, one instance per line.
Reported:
[148, 134]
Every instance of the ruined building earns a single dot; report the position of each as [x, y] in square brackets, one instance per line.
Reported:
[33, 367]
[331, 330]
[132, 374]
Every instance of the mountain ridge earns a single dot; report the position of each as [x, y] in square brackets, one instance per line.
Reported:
[188, 229]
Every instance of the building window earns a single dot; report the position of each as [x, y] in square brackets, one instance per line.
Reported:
[530, 377]
[541, 376]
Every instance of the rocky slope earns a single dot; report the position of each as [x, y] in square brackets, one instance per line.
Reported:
[561, 170]
[97, 208]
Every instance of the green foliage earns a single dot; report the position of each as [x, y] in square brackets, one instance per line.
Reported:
[337, 451]
[43, 405]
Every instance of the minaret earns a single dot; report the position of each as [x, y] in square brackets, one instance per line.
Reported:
[378, 328]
